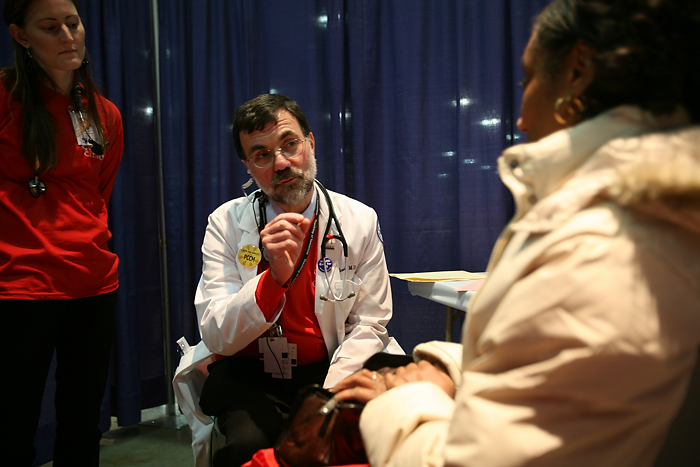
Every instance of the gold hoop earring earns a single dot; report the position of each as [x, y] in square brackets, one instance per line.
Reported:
[575, 108]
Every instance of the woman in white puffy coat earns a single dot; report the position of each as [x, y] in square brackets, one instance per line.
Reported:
[579, 348]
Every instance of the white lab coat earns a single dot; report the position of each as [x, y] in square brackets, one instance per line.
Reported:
[230, 319]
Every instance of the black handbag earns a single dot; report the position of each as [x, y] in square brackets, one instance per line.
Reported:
[314, 437]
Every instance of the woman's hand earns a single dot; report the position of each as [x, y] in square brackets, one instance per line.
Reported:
[422, 371]
[362, 386]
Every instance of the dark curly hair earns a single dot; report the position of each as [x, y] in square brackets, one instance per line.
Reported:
[646, 51]
[261, 110]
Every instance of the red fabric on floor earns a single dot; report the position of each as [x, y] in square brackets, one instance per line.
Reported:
[266, 458]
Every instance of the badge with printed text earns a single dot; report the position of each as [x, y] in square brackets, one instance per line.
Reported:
[85, 133]
[278, 356]
[249, 256]
[325, 265]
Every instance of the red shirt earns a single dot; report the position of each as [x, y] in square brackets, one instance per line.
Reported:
[55, 246]
[298, 318]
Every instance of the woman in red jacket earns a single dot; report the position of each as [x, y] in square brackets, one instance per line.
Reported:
[60, 147]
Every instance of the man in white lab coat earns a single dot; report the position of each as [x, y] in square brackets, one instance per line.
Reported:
[294, 288]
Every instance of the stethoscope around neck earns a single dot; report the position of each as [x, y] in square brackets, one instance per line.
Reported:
[330, 296]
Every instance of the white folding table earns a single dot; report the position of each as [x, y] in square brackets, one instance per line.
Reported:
[444, 292]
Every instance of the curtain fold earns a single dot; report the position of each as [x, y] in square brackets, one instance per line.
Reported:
[118, 36]
[410, 102]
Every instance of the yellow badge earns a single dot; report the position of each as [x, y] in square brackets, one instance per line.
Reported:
[249, 256]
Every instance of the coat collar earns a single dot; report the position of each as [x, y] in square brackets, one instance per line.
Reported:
[247, 212]
[553, 178]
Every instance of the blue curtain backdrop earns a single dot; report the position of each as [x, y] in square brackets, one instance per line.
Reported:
[410, 101]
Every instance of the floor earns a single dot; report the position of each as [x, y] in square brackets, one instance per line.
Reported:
[158, 441]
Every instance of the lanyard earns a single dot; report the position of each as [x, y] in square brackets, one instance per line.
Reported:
[314, 228]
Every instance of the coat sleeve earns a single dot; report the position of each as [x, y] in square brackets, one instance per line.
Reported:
[424, 425]
[397, 431]
[228, 314]
[448, 355]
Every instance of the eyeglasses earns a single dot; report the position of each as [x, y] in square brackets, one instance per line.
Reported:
[264, 158]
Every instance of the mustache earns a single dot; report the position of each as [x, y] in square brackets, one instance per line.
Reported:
[285, 174]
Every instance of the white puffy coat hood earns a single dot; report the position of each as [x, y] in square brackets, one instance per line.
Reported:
[624, 155]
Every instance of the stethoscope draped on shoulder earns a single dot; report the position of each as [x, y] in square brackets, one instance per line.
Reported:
[346, 289]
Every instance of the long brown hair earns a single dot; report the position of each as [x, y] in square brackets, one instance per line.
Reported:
[23, 84]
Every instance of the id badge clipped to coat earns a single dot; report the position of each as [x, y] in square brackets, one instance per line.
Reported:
[278, 355]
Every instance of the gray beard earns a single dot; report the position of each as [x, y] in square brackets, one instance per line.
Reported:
[296, 192]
